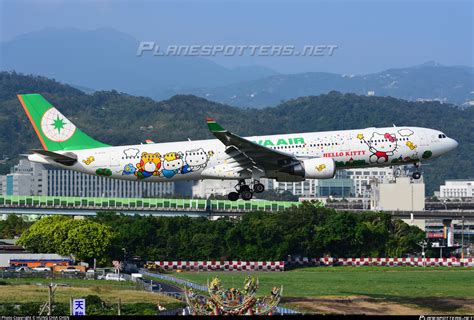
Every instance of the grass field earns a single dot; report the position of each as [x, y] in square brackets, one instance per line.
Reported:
[70, 281]
[433, 289]
[344, 281]
[33, 290]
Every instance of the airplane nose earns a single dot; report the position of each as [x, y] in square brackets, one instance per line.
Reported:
[452, 144]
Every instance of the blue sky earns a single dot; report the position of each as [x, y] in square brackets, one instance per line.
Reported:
[370, 35]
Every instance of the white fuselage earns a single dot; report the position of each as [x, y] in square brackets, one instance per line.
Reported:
[188, 160]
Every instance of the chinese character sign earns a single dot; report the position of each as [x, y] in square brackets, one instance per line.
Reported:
[79, 307]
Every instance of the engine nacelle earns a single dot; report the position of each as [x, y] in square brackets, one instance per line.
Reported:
[317, 168]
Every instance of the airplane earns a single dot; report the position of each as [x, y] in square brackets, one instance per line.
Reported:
[284, 157]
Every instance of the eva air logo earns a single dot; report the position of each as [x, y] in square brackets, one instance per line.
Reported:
[56, 127]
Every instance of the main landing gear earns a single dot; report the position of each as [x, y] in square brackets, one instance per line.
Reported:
[417, 174]
[245, 191]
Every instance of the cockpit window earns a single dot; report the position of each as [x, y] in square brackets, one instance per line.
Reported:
[442, 136]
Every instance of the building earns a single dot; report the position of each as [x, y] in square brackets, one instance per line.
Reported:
[353, 183]
[29, 178]
[206, 188]
[451, 233]
[402, 193]
[341, 186]
[363, 177]
[57, 182]
[456, 189]
[10, 246]
[24, 179]
[33, 260]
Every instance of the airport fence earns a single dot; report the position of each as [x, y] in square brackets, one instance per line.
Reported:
[169, 278]
[217, 265]
[392, 262]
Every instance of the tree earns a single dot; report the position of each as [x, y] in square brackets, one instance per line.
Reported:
[13, 226]
[84, 239]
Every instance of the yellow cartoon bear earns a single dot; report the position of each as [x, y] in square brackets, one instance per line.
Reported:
[149, 165]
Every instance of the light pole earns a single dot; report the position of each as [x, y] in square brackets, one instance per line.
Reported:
[423, 244]
[462, 239]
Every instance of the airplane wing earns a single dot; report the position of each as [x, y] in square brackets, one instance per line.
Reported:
[248, 153]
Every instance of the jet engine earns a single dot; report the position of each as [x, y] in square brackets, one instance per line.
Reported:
[316, 168]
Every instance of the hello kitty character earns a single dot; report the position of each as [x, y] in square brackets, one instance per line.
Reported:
[382, 147]
[195, 160]
[172, 163]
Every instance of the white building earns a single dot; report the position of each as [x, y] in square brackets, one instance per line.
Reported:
[29, 178]
[24, 179]
[403, 193]
[363, 177]
[206, 188]
[456, 189]
[341, 186]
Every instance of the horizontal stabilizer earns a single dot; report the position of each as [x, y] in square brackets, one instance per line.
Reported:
[67, 159]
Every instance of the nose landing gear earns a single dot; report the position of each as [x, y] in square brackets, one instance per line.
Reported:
[244, 191]
[417, 174]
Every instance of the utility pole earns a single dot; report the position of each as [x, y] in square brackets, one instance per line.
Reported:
[423, 244]
[50, 299]
[462, 239]
[48, 305]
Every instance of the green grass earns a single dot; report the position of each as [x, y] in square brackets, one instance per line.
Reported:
[384, 282]
[70, 281]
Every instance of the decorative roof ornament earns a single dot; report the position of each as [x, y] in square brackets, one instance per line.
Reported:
[233, 301]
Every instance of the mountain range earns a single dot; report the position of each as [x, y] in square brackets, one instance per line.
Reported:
[429, 81]
[105, 59]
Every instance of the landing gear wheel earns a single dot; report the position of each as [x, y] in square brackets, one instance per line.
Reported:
[258, 188]
[416, 175]
[246, 195]
[233, 196]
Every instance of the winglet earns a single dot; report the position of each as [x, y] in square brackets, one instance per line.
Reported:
[214, 126]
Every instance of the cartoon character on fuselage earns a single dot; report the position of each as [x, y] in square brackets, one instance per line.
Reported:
[149, 165]
[382, 147]
[172, 164]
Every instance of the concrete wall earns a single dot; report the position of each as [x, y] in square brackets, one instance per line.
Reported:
[403, 195]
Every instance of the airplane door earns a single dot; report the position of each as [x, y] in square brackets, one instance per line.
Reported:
[115, 159]
[101, 159]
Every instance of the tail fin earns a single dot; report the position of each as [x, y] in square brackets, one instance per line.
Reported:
[53, 129]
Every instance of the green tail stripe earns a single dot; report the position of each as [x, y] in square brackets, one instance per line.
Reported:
[215, 127]
[55, 131]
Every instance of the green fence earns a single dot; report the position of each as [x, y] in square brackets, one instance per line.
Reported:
[142, 203]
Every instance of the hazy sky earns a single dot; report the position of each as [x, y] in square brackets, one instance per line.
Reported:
[370, 35]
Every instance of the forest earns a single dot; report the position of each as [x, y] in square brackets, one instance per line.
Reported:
[307, 231]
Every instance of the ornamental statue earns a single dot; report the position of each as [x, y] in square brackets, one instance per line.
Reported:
[233, 301]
